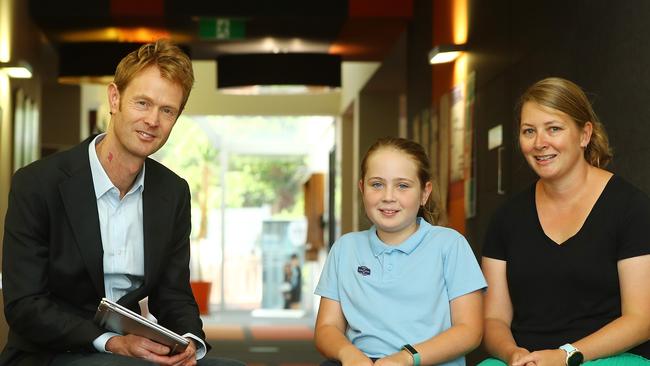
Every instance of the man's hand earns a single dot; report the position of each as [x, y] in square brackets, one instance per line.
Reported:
[139, 347]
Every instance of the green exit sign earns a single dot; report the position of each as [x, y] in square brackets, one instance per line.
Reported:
[221, 28]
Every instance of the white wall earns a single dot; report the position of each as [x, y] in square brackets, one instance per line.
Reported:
[206, 100]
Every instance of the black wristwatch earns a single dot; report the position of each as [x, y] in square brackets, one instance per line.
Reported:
[414, 353]
[573, 356]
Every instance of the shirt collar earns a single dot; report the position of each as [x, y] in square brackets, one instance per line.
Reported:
[101, 182]
[407, 246]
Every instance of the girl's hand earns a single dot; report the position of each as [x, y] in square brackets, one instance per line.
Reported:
[357, 361]
[401, 358]
[548, 357]
[351, 356]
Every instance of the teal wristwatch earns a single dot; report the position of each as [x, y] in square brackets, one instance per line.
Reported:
[573, 356]
[414, 353]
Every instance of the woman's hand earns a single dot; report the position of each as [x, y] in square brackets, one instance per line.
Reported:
[517, 355]
[548, 357]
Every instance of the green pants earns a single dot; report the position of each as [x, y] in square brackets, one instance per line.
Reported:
[624, 359]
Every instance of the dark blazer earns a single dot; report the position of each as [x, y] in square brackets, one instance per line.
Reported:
[53, 275]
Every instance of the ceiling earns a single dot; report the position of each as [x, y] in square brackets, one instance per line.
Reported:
[89, 34]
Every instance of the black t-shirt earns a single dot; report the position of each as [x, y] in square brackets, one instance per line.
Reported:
[562, 293]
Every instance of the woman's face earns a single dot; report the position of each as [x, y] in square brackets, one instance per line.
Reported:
[551, 142]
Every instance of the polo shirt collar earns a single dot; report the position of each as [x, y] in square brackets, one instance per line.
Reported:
[407, 246]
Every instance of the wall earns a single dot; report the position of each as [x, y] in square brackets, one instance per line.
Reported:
[378, 116]
[205, 100]
[377, 112]
[19, 40]
[61, 117]
[602, 46]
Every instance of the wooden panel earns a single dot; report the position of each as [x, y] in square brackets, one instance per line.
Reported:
[314, 190]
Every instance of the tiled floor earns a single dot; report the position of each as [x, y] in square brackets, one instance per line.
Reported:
[273, 340]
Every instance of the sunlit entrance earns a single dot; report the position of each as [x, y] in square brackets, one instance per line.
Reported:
[246, 176]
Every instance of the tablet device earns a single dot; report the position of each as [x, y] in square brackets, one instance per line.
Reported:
[119, 319]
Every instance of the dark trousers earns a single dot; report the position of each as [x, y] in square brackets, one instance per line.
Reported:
[108, 359]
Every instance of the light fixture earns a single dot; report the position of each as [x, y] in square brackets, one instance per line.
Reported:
[17, 70]
[445, 53]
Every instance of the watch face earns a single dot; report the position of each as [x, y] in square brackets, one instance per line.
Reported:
[575, 359]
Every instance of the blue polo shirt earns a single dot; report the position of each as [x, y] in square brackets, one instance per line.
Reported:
[392, 295]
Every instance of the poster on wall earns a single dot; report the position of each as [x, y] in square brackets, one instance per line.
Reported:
[31, 133]
[19, 129]
[434, 153]
[443, 159]
[424, 118]
[457, 138]
[469, 158]
[26, 131]
[416, 129]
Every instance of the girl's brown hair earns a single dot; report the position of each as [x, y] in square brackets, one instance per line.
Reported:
[567, 97]
[431, 210]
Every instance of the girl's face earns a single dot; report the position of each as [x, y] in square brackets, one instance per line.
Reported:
[551, 141]
[392, 194]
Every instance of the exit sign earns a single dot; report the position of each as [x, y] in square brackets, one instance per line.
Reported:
[221, 28]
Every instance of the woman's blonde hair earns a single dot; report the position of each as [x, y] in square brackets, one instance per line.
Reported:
[173, 63]
[567, 97]
[431, 210]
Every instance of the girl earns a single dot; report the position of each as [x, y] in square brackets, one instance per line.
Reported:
[404, 292]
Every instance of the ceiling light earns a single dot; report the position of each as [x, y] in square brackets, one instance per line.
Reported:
[445, 53]
[17, 70]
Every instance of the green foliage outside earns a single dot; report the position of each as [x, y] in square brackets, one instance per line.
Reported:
[251, 180]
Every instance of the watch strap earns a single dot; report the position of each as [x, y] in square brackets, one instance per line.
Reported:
[573, 355]
[414, 353]
[568, 348]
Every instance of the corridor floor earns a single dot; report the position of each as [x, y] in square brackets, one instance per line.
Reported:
[280, 338]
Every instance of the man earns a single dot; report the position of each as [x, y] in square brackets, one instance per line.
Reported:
[104, 220]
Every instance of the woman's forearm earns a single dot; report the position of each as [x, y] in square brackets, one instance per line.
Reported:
[616, 337]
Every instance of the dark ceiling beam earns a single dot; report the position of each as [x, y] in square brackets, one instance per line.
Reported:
[279, 69]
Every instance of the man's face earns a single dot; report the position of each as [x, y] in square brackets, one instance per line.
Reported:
[144, 114]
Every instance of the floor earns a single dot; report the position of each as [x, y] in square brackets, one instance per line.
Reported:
[263, 338]
[272, 338]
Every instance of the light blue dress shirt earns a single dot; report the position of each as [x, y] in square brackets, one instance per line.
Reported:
[392, 295]
[120, 222]
[121, 227]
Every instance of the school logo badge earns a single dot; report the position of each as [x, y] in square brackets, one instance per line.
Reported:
[363, 270]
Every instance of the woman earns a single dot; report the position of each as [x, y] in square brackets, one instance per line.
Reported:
[567, 261]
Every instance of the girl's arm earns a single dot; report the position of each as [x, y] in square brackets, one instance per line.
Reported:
[630, 329]
[498, 338]
[463, 336]
[330, 338]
